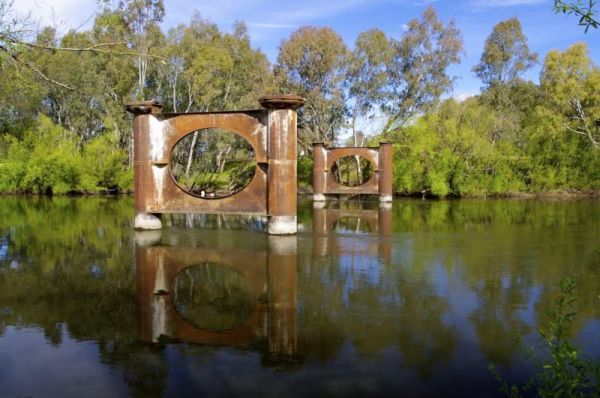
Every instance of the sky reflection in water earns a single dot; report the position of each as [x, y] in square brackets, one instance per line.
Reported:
[416, 300]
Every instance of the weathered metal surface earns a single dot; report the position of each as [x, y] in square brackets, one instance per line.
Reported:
[325, 242]
[271, 274]
[270, 132]
[157, 190]
[385, 171]
[380, 158]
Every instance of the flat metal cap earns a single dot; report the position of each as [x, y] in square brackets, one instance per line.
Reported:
[144, 107]
[282, 101]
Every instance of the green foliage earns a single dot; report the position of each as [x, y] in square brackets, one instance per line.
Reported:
[565, 373]
[304, 170]
[515, 136]
[418, 72]
[506, 55]
[47, 161]
[584, 9]
[526, 138]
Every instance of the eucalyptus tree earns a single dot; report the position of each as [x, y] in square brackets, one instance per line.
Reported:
[418, 70]
[367, 76]
[571, 83]
[312, 62]
[142, 19]
[505, 58]
[366, 82]
[209, 70]
[506, 55]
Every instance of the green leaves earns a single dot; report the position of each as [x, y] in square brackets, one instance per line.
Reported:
[506, 55]
[584, 9]
[47, 161]
[565, 374]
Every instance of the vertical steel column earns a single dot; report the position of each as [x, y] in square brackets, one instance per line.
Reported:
[281, 282]
[142, 166]
[319, 171]
[385, 172]
[282, 157]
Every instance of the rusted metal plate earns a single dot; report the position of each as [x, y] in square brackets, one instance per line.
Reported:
[156, 188]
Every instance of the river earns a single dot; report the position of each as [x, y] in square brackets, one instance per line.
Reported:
[416, 300]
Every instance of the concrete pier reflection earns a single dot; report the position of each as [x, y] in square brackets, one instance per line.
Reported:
[265, 316]
[375, 221]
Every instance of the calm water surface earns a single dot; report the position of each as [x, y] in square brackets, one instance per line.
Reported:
[413, 301]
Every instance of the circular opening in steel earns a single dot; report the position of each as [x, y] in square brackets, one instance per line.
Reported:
[213, 163]
[213, 297]
[352, 170]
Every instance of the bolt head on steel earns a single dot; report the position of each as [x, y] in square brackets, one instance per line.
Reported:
[282, 101]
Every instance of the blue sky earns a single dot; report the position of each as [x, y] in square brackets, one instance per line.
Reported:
[270, 21]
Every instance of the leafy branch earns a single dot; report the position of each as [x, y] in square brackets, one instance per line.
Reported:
[583, 9]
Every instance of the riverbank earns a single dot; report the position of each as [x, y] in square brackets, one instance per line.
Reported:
[566, 194]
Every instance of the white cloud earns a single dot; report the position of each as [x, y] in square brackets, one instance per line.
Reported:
[61, 14]
[270, 25]
[265, 14]
[504, 3]
[460, 97]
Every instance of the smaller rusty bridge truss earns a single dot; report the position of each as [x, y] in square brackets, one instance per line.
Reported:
[380, 183]
[270, 131]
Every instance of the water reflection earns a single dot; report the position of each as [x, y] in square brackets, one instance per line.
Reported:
[416, 300]
[236, 297]
[331, 224]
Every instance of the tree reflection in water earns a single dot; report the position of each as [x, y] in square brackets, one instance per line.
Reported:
[427, 293]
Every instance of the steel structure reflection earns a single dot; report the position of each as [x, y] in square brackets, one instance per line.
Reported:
[328, 243]
[271, 274]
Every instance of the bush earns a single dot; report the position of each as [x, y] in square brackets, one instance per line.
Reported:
[47, 160]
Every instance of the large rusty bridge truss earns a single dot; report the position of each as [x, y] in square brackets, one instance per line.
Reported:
[270, 131]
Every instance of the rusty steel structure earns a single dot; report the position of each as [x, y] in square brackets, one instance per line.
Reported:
[270, 131]
[380, 182]
[271, 274]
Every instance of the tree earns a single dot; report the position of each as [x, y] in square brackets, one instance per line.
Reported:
[506, 55]
[417, 74]
[571, 83]
[366, 81]
[367, 75]
[585, 10]
[141, 18]
[312, 63]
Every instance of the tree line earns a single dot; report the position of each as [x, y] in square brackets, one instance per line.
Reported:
[63, 128]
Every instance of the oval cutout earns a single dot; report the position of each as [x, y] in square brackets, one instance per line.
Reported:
[213, 297]
[352, 170]
[213, 163]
